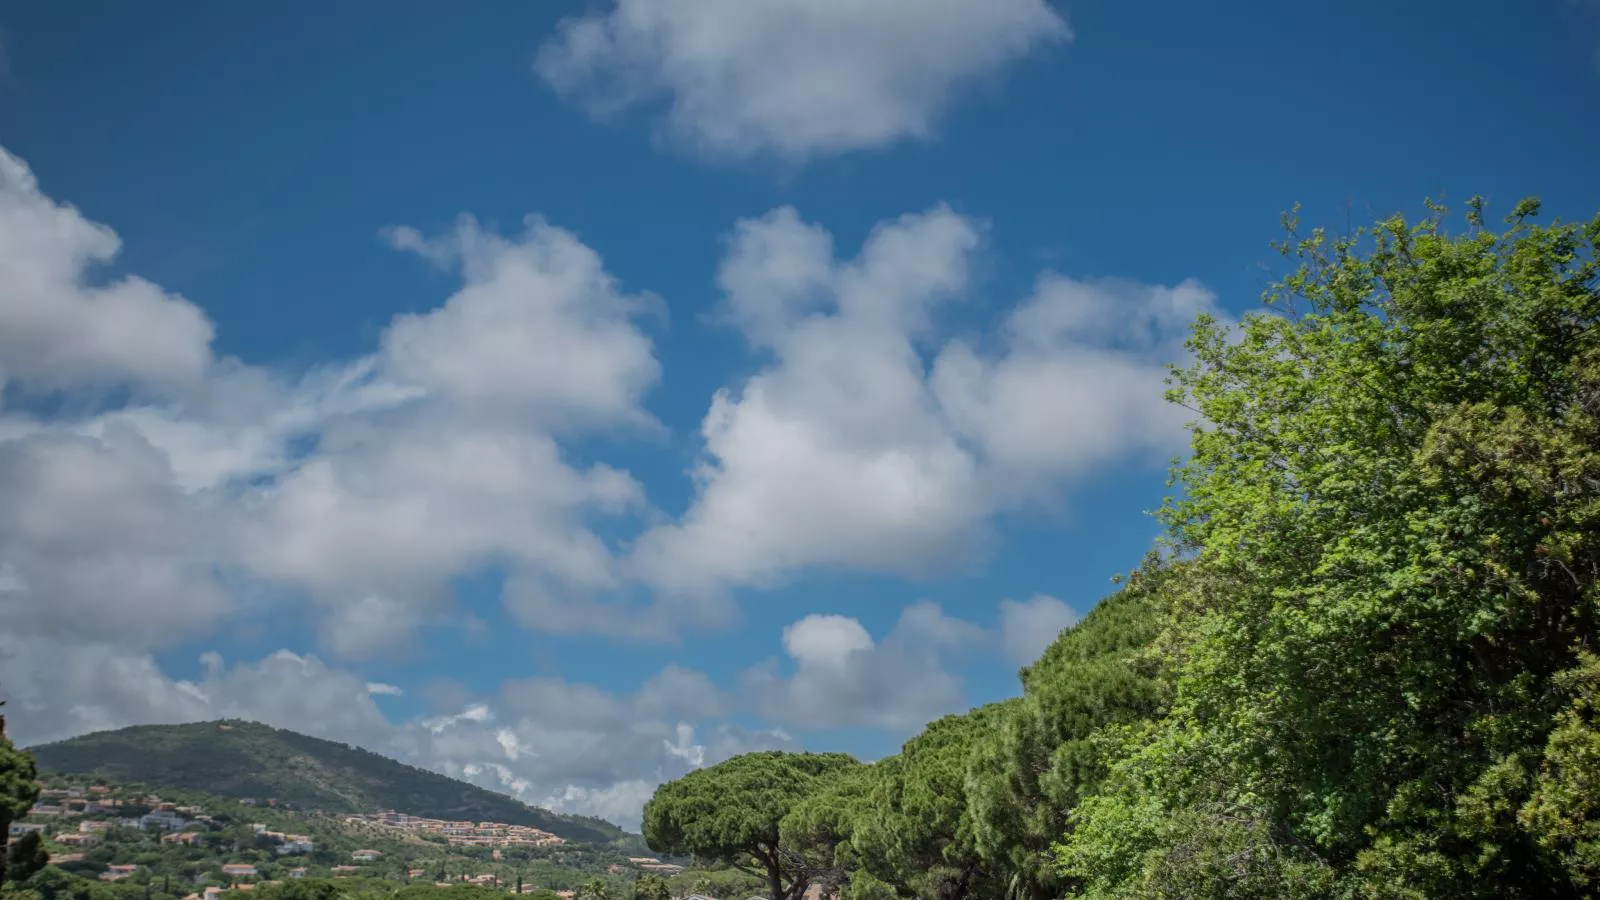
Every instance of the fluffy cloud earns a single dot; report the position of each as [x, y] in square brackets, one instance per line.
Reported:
[841, 677]
[851, 450]
[436, 456]
[791, 78]
[59, 329]
[376, 522]
[97, 541]
[1027, 628]
[539, 332]
[1079, 383]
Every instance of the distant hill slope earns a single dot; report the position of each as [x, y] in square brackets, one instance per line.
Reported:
[245, 759]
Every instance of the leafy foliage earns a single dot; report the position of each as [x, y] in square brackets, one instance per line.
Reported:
[246, 759]
[1398, 481]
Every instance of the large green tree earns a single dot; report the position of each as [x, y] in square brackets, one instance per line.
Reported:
[1039, 756]
[732, 812]
[1395, 478]
[18, 791]
[917, 834]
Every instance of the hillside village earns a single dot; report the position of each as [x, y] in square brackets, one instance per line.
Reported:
[196, 848]
[462, 834]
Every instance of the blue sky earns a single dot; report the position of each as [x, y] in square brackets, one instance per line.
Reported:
[835, 328]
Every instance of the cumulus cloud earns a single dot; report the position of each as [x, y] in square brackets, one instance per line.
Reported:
[376, 522]
[59, 328]
[840, 677]
[1028, 627]
[438, 455]
[539, 331]
[852, 450]
[791, 78]
[97, 541]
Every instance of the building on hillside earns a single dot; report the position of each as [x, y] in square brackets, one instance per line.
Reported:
[100, 807]
[186, 838]
[639, 860]
[78, 839]
[93, 826]
[45, 810]
[117, 873]
[299, 844]
[239, 870]
[365, 855]
[166, 820]
[661, 868]
[18, 829]
[339, 871]
[298, 873]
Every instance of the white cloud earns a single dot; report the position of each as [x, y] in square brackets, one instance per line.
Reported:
[390, 508]
[433, 458]
[1080, 384]
[98, 542]
[61, 330]
[1027, 628]
[539, 331]
[841, 677]
[792, 78]
[850, 451]
[388, 690]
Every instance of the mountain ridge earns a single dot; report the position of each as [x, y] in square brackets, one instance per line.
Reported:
[249, 760]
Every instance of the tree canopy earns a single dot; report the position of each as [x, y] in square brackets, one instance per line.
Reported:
[732, 812]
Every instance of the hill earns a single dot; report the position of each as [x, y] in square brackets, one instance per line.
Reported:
[248, 760]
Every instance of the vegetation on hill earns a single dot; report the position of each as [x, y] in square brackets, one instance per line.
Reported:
[1364, 663]
[249, 760]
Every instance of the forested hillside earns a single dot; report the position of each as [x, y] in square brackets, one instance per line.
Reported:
[1361, 663]
[249, 760]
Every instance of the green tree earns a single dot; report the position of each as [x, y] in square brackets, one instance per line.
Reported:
[1040, 756]
[25, 856]
[732, 813]
[1395, 480]
[593, 889]
[18, 791]
[912, 832]
[651, 887]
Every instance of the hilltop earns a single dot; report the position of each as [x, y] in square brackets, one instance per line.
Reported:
[247, 760]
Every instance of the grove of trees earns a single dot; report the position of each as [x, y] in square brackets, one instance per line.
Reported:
[1361, 663]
